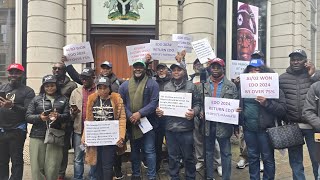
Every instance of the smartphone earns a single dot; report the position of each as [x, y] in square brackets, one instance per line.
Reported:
[47, 112]
[3, 95]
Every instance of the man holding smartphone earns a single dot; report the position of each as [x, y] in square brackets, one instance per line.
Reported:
[14, 101]
[295, 83]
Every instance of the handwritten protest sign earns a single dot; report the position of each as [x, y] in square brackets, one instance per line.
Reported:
[78, 53]
[221, 110]
[101, 133]
[137, 52]
[259, 84]
[203, 50]
[184, 42]
[163, 50]
[175, 103]
[237, 67]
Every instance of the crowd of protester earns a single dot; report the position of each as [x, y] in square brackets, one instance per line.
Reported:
[63, 106]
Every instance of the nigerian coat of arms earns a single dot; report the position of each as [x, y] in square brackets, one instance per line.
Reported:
[123, 9]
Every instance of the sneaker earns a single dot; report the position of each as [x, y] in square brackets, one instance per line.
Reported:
[242, 164]
[119, 175]
[199, 165]
[261, 166]
[144, 164]
[219, 170]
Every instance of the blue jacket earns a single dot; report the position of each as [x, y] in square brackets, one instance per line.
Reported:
[150, 100]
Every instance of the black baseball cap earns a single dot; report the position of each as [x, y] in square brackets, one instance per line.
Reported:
[49, 79]
[298, 52]
[106, 63]
[179, 65]
[162, 65]
[103, 81]
[87, 72]
[257, 53]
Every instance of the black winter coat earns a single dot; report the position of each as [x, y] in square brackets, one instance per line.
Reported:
[35, 108]
[295, 87]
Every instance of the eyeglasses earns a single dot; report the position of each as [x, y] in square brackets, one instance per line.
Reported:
[246, 38]
[57, 68]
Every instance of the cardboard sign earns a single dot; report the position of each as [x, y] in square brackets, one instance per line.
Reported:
[175, 103]
[259, 84]
[203, 50]
[221, 110]
[163, 50]
[78, 53]
[184, 42]
[237, 68]
[101, 133]
[137, 52]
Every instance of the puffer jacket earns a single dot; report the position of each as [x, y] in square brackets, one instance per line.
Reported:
[38, 105]
[119, 114]
[228, 91]
[295, 87]
[268, 114]
[181, 124]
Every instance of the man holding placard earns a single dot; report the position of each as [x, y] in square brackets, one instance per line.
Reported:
[218, 86]
[140, 96]
[180, 125]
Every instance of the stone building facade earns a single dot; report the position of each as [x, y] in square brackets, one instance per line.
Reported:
[52, 24]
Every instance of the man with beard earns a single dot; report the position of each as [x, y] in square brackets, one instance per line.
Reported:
[163, 77]
[247, 29]
[14, 102]
[67, 86]
[78, 102]
[295, 83]
[140, 96]
[179, 130]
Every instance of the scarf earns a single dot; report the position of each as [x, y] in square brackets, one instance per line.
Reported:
[215, 84]
[136, 101]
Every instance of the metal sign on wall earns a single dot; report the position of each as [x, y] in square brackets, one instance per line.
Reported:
[125, 12]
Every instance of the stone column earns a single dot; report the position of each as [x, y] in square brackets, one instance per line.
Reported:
[198, 21]
[168, 19]
[288, 31]
[45, 38]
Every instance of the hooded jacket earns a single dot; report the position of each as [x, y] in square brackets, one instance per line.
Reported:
[38, 105]
[295, 87]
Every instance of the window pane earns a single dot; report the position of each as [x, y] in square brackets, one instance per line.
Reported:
[7, 36]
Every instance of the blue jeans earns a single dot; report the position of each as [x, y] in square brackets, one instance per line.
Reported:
[78, 159]
[296, 156]
[181, 143]
[147, 145]
[258, 143]
[225, 152]
[104, 167]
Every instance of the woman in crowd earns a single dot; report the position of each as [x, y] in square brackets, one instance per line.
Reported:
[105, 106]
[48, 109]
[257, 115]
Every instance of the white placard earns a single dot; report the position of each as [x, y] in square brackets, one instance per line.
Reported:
[184, 42]
[101, 133]
[145, 125]
[163, 50]
[259, 84]
[237, 68]
[175, 103]
[203, 50]
[137, 52]
[222, 110]
[78, 53]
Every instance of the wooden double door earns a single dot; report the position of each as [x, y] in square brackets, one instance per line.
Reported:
[113, 49]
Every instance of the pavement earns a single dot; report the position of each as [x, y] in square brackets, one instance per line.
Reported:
[283, 170]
